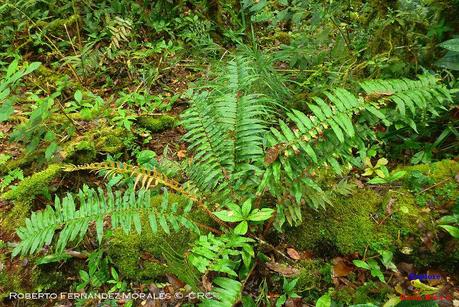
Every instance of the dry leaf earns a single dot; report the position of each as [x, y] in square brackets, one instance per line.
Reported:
[341, 268]
[175, 282]
[271, 155]
[181, 154]
[293, 254]
[283, 269]
[206, 284]
[359, 184]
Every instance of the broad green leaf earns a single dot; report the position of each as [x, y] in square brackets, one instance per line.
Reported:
[260, 215]
[78, 96]
[452, 230]
[246, 207]
[452, 44]
[228, 216]
[361, 264]
[241, 228]
[324, 301]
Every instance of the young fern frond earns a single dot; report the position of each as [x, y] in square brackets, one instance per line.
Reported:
[227, 293]
[143, 177]
[226, 127]
[207, 138]
[124, 209]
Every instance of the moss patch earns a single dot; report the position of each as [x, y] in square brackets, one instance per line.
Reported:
[311, 275]
[347, 226]
[33, 185]
[157, 123]
[437, 171]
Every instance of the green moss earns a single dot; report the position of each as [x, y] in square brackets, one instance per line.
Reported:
[33, 185]
[85, 148]
[14, 218]
[344, 228]
[438, 171]
[10, 281]
[406, 216]
[20, 162]
[369, 292]
[111, 143]
[310, 275]
[80, 151]
[157, 123]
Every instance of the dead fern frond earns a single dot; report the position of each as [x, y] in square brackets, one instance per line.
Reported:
[143, 177]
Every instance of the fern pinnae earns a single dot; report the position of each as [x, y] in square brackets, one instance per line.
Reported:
[124, 209]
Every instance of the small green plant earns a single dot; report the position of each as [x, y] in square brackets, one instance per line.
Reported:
[288, 292]
[450, 223]
[381, 171]
[97, 274]
[8, 84]
[243, 214]
[371, 265]
[118, 284]
[123, 118]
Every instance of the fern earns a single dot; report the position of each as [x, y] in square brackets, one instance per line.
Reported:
[334, 127]
[221, 254]
[146, 178]
[225, 127]
[124, 209]
[226, 294]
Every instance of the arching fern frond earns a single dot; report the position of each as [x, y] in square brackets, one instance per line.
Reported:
[333, 121]
[424, 94]
[124, 209]
[333, 128]
[143, 177]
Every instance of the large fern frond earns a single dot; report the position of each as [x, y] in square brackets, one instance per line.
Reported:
[334, 127]
[414, 95]
[124, 209]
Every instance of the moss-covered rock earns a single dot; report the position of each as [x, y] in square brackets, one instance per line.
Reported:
[347, 226]
[34, 185]
[80, 151]
[437, 171]
[387, 219]
[157, 123]
[23, 194]
[84, 149]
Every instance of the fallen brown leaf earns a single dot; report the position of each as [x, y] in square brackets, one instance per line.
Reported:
[283, 269]
[341, 268]
[181, 154]
[293, 254]
[175, 282]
